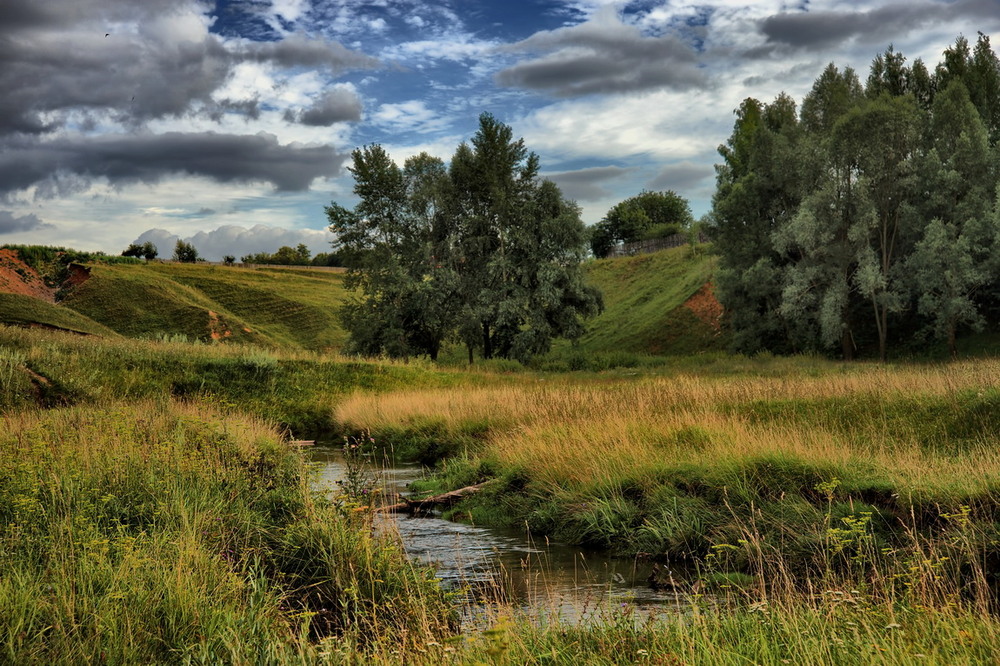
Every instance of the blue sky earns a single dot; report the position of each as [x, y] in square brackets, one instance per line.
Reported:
[229, 123]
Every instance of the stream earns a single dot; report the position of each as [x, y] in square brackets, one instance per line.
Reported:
[488, 564]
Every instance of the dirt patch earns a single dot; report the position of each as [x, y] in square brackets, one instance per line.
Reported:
[706, 306]
[16, 277]
[77, 275]
[217, 328]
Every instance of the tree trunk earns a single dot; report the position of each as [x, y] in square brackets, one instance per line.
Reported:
[469, 347]
[487, 342]
[847, 344]
[883, 335]
[952, 347]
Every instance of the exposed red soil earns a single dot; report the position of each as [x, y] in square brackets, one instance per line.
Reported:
[706, 307]
[218, 329]
[77, 275]
[17, 278]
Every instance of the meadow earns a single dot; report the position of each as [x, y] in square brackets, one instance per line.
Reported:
[152, 509]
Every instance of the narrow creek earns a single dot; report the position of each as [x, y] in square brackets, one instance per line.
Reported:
[491, 564]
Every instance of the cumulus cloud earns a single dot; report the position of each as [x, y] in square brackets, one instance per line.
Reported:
[586, 184]
[135, 60]
[602, 55]
[341, 104]
[70, 163]
[822, 29]
[10, 224]
[239, 241]
[299, 50]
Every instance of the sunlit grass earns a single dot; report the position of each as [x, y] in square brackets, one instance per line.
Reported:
[904, 421]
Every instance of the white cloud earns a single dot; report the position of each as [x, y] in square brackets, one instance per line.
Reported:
[411, 116]
[238, 241]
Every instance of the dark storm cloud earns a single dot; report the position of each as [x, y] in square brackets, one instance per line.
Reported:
[66, 164]
[10, 224]
[68, 67]
[336, 106]
[682, 177]
[585, 184]
[820, 30]
[136, 60]
[602, 55]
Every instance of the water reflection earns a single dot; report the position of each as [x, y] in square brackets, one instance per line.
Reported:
[494, 564]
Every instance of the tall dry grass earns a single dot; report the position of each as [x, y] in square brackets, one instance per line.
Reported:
[591, 432]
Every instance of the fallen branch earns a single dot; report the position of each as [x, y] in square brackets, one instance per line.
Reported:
[428, 503]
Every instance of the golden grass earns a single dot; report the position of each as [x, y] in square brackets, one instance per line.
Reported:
[587, 431]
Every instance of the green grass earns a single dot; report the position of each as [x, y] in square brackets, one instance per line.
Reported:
[297, 390]
[166, 533]
[644, 315]
[151, 483]
[28, 311]
[281, 308]
[292, 308]
[643, 299]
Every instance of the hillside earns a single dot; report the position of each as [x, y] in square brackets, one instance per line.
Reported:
[276, 306]
[659, 304]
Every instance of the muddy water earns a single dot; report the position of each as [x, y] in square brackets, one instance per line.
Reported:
[489, 564]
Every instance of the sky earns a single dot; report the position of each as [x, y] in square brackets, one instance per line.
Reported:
[230, 124]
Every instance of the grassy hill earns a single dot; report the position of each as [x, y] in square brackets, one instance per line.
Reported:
[27, 311]
[281, 307]
[656, 304]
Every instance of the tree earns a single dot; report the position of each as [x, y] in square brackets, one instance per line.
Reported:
[519, 239]
[185, 252]
[480, 251]
[881, 141]
[146, 250]
[945, 275]
[759, 187]
[396, 251]
[229, 260]
[646, 215]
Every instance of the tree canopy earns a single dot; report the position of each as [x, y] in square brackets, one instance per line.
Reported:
[479, 251]
[644, 216]
[185, 252]
[869, 218]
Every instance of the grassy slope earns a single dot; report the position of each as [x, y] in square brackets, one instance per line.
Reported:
[643, 305]
[275, 307]
[296, 308]
[20, 309]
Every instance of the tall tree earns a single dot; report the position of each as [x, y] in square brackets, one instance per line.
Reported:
[385, 244]
[882, 138]
[760, 185]
[481, 250]
[505, 258]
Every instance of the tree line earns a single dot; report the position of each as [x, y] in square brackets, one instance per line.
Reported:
[481, 252]
[867, 217]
